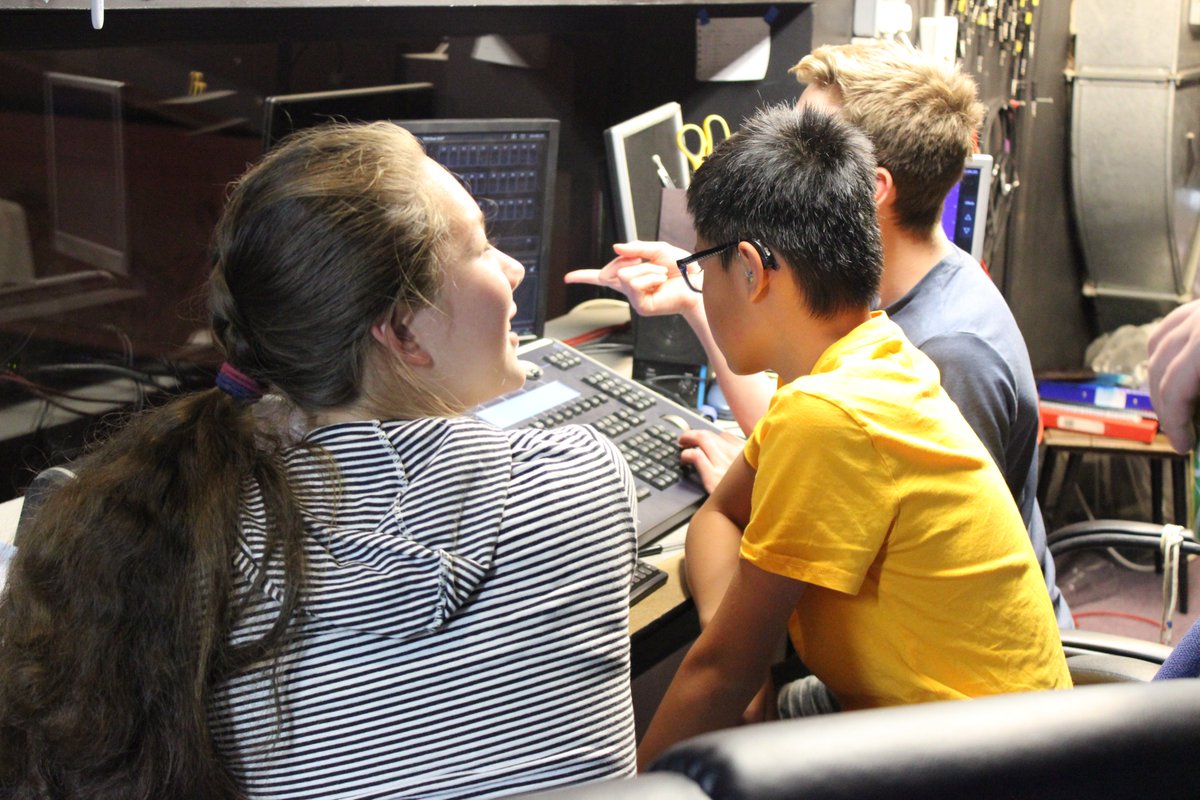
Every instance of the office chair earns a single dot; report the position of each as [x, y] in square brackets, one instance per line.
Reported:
[1119, 742]
[650, 786]
[1130, 741]
[1104, 657]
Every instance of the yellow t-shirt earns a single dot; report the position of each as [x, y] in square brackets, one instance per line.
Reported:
[872, 488]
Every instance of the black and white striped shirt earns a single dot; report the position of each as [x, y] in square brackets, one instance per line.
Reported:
[464, 623]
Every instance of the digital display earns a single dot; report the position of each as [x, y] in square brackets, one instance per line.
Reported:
[509, 165]
[959, 212]
[964, 213]
[507, 169]
[521, 407]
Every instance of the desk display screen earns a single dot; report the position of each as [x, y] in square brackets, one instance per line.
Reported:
[959, 214]
[524, 405]
[509, 165]
[86, 160]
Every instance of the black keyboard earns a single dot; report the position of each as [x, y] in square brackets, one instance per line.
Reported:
[646, 578]
[569, 387]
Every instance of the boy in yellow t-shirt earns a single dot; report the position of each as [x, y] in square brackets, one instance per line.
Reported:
[864, 515]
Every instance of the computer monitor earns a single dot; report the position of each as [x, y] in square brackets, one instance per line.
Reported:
[85, 156]
[667, 355]
[285, 113]
[964, 214]
[633, 171]
[90, 262]
[509, 165]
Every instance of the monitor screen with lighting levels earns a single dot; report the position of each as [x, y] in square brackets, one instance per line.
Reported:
[509, 165]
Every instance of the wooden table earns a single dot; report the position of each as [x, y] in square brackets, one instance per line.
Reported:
[665, 620]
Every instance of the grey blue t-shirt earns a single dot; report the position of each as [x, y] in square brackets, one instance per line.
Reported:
[958, 318]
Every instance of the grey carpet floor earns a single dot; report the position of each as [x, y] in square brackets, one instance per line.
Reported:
[1110, 596]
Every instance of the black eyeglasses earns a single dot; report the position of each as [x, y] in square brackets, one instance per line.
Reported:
[693, 271]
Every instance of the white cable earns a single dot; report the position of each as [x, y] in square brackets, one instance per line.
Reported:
[1126, 563]
[1170, 543]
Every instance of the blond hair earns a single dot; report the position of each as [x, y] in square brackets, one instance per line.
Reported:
[920, 113]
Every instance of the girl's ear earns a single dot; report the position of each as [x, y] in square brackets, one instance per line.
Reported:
[398, 339]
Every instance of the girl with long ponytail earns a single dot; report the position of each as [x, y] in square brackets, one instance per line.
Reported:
[402, 602]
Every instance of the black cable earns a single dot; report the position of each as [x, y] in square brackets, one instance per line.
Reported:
[40, 390]
[602, 346]
[681, 377]
[125, 372]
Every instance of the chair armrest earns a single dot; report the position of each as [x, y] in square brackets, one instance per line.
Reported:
[1077, 642]
[1113, 533]
[1105, 526]
[1126, 741]
[657, 786]
[1091, 668]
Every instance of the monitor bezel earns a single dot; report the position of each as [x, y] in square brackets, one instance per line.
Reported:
[614, 139]
[983, 162]
[275, 102]
[102, 255]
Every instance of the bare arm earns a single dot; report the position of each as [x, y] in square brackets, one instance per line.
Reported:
[1175, 374]
[712, 556]
[646, 274]
[714, 538]
[725, 666]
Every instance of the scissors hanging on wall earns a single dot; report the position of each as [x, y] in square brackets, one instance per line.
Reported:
[710, 133]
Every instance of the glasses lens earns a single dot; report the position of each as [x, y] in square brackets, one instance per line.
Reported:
[694, 273]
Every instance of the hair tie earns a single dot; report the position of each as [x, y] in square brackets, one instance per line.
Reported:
[238, 385]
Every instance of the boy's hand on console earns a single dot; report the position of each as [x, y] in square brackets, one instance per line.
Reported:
[710, 454]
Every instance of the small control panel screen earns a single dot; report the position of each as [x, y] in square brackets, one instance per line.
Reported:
[527, 404]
